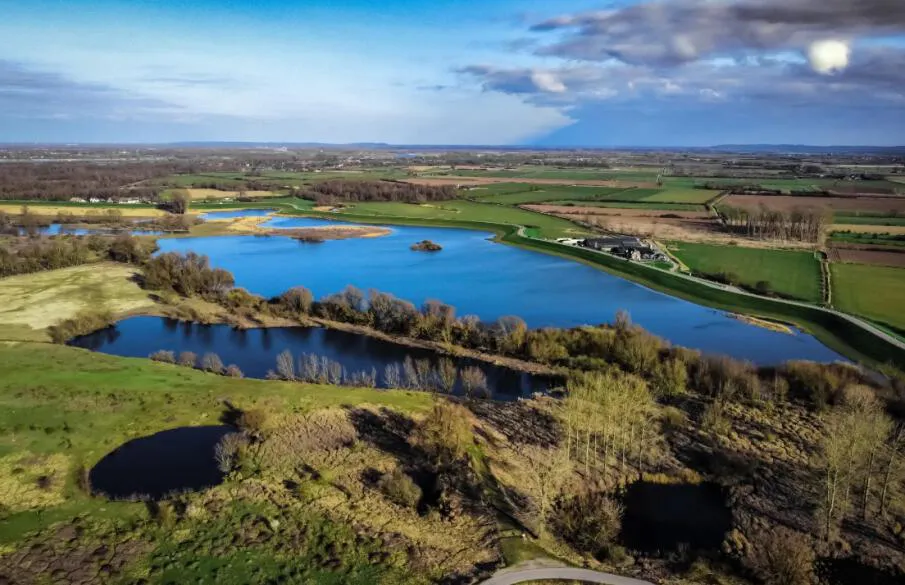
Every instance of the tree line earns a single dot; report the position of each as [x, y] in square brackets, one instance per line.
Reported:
[61, 181]
[28, 255]
[334, 191]
[801, 225]
[668, 370]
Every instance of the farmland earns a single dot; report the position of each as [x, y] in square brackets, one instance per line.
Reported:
[636, 211]
[875, 292]
[874, 205]
[876, 257]
[466, 211]
[794, 274]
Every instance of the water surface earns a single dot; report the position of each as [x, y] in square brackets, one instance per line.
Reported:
[490, 280]
[255, 350]
[168, 462]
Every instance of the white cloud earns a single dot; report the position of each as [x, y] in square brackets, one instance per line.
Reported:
[547, 81]
[829, 56]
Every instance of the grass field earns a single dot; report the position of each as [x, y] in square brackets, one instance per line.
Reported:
[30, 303]
[789, 273]
[875, 292]
[518, 194]
[468, 211]
[62, 408]
[879, 220]
[682, 195]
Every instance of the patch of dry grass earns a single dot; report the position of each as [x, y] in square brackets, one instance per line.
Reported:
[16, 209]
[327, 445]
[869, 229]
[29, 303]
[30, 481]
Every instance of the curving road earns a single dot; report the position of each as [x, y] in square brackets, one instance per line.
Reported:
[561, 574]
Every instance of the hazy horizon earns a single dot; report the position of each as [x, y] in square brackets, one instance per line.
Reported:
[618, 74]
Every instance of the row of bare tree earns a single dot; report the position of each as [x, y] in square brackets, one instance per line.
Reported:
[329, 192]
[801, 225]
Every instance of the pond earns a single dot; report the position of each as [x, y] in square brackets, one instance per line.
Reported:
[153, 467]
[255, 350]
[56, 229]
[661, 518]
[490, 280]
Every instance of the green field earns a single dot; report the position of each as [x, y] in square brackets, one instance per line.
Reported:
[683, 195]
[62, 409]
[864, 239]
[788, 273]
[878, 220]
[469, 212]
[515, 194]
[635, 205]
[875, 292]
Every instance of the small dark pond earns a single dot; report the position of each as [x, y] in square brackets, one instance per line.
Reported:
[660, 518]
[255, 350]
[153, 467]
[852, 572]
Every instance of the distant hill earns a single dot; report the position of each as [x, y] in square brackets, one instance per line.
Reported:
[808, 149]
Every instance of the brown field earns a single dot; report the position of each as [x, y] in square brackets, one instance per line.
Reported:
[616, 211]
[790, 202]
[701, 230]
[876, 257]
[439, 181]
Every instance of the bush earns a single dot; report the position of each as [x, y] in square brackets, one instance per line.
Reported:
[211, 362]
[188, 359]
[399, 488]
[297, 300]
[81, 324]
[165, 356]
[233, 371]
[445, 434]
[590, 521]
[780, 556]
[252, 422]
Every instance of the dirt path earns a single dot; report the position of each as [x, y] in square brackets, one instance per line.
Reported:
[560, 574]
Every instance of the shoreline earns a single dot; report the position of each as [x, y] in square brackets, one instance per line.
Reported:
[169, 311]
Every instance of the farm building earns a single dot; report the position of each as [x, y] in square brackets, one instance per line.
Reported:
[625, 246]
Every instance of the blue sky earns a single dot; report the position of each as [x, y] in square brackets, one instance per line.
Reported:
[564, 73]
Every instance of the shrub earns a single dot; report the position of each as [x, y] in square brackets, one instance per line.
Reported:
[297, 300]
[286, 365]
[188, 359]
[589, 520]
[252, 422]
[399, 488]
[163, 356]
[715, 420]
[474, 382]
[233, 371]
[211, 362]
[445, 434]
[780, 556]
[81, 324]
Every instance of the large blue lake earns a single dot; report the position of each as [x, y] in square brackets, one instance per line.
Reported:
[489, 280]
